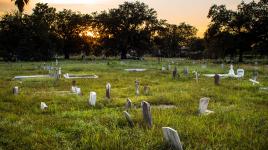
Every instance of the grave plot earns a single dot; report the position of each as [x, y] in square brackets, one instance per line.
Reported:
[79, 76]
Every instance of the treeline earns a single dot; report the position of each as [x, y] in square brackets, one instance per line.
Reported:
[132, 30]
[235, 33]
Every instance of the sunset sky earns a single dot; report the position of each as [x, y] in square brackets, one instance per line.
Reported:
[193, 12]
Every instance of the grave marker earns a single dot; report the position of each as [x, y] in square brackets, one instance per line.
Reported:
[129, 120]
[240, 73]
[217, 79]
[231, 71]
[137, 85]
[174, 73]
[203, 105]
[92, 98]
[146, 111]
[108, 90]
[128, 104]
[186, 71]
[16, 90]
[171, 136]
[43, 106]
[146, 89]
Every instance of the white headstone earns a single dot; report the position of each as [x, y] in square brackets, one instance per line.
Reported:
[73, 89]
[240, 73]
[16, 90]
[163, 68]
[203, 105]
[231, 71]
[78, 91]
[171, 136]
[92, 98]
[43, 106]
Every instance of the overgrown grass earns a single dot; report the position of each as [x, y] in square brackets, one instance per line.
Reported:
[240, 120]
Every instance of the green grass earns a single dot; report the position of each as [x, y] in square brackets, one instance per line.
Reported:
[240, 120]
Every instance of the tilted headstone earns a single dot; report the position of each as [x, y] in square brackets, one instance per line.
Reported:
[128, 104]
[217, 79]
[108, 90]
[231, 71]
[171, 136]
[146, 89]
[203, 105]
[240, 73]
[146, 111]
[174, 73]
[92, 98]
[186, 71]
[16, 90]
[43, 106]
[129, 120]
[137, 86]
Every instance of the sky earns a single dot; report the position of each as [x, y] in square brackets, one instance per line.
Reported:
[193, 12]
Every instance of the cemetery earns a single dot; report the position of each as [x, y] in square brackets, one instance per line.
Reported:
[152, 109]
[133, 75]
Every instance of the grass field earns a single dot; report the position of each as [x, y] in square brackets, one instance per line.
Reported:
[240, 120]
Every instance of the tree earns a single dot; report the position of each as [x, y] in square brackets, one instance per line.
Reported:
[21, 4]
[128, 28]
[70, 26]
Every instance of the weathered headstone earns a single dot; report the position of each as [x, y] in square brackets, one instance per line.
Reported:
[255, 75]
[203, 105]
[163, 68]
[128, 104]
[43, 106]
[174, 73]
[16, 90]
[171, 136]
[240, 73]
[222, 66]
[186, 71]
[108, 90]
[129, 120]
[169, 66]
[196, 76]
[137, 86]
[217, 79]
[146, 89]
[92, 98]
[146, 111]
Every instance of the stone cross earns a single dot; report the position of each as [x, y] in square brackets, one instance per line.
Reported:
[43, 106]
[186, 71]
[108, 90]
[203, 105]
[128, 104]
[171, 136]
[174, 73]
[146, 111]
[129, 120]
[137, 85]
[217, 79]
[16, 90]
[92, 98]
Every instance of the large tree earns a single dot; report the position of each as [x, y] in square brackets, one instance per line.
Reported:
[128, 28]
